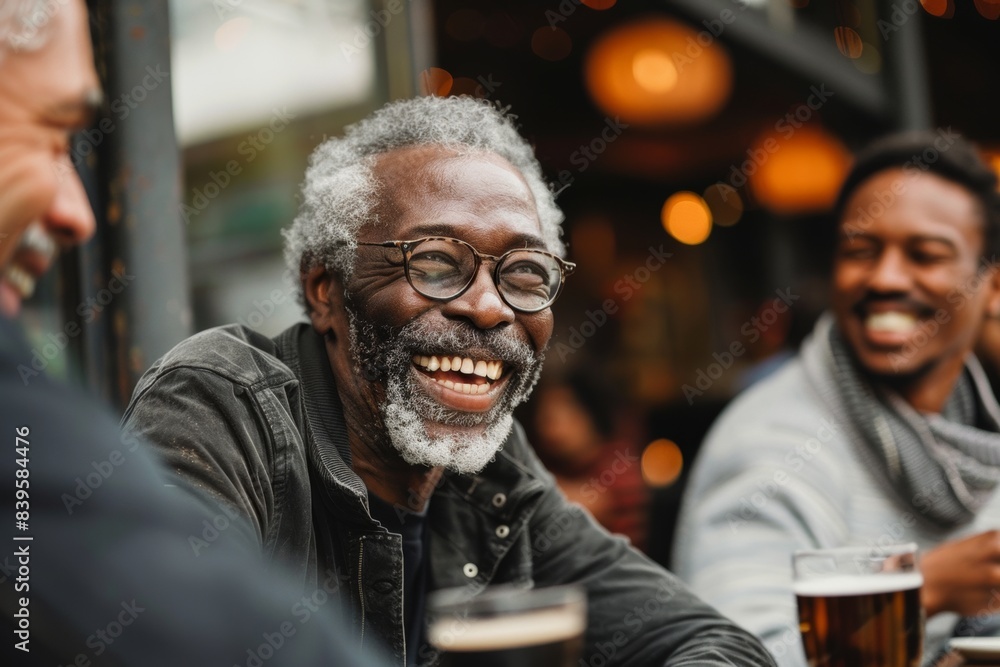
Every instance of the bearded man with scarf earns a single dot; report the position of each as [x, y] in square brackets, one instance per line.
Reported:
[883, 429]
[373, 449]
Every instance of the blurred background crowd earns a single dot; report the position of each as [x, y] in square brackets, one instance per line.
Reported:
[695, 146]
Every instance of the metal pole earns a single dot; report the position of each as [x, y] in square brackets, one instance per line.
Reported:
[145, 293]
[906, 68]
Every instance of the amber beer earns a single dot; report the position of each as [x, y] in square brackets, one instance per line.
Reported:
[861, 621]
[511, 628]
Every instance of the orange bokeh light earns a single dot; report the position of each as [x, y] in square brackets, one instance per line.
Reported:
[435, 81]
[599, 4]
[654, 70]
[658, 71]
[687, 218]
[798, 173]
[662, 463]
[551, 43]
[989, 9]
[725, 204]
[939, 8]
[848, 41]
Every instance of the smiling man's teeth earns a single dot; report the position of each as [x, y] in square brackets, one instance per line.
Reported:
[465, 365]
[892, 322]
[20, 280]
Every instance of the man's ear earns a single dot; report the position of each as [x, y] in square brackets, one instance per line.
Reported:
[324, 292]
[993, 298]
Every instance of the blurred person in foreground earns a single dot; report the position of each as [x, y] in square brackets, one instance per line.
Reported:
[883, 429]
[377, 439]
[575, 434]
[97, 565]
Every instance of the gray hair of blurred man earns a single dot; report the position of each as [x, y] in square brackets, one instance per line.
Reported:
[341, 193]
[23, 24]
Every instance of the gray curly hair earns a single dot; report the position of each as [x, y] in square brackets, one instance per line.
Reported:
[23, 23]
[340, 191]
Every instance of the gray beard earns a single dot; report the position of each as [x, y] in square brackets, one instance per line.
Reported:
[384, 354]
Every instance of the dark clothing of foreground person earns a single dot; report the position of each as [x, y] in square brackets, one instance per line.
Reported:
[111, 575]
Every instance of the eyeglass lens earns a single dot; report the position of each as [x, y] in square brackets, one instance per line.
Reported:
[441, 269]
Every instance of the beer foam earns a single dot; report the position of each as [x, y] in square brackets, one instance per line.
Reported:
[846, 584]
[503, 632]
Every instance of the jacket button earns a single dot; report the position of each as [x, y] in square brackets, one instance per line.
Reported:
[499, 500]
[470, 570]
[383, 586]
[503, 531]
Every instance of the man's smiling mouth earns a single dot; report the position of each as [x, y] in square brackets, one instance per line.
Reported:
[466, 375]
[891, 322]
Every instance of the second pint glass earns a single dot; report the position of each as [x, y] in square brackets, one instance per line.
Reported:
[860, 607]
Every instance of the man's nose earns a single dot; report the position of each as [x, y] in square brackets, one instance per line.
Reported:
[481, 304]
[891, 273]
[69, 219]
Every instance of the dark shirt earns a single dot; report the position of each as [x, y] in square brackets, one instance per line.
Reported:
[111, 574]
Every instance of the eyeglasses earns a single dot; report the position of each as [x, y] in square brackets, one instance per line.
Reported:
[442, 268]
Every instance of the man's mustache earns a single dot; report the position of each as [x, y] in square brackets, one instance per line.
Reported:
[394, 346]
[902, 301]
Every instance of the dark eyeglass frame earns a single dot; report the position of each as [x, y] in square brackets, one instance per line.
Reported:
[407, 248]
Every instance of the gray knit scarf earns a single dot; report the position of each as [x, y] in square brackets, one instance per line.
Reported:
[946, 466]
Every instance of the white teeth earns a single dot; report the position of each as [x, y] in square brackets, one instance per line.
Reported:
[20, 280]
[487, 369]
[36, 239]
[465, 388]
[892, 322]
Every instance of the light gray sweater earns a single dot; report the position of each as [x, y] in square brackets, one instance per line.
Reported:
[776, 473]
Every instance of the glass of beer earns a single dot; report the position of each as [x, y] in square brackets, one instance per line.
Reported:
[507, 626]
[860, 607]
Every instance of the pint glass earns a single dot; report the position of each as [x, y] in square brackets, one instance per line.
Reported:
[508, 627]
[860, 607]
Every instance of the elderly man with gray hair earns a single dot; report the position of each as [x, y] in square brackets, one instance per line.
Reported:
[377, 440]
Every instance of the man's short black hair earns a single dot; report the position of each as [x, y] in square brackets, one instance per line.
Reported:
[942, 153]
